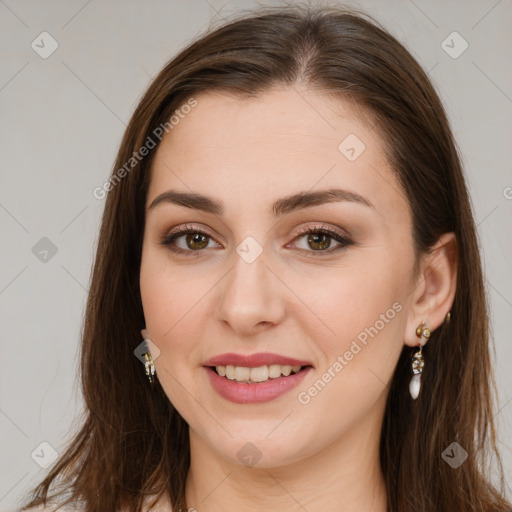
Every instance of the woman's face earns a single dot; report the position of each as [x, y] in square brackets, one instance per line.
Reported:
[252, 281]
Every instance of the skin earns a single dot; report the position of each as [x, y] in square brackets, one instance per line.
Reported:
[292, 300]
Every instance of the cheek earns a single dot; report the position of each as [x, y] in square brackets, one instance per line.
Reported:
[357, 364]
[360, 335]
[169, 295]
[174, 303]
[344, 301]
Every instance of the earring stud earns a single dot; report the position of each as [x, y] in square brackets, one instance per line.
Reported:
[423, 332]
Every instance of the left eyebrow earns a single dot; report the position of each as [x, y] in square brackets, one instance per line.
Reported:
[280, 207]
[308, 199]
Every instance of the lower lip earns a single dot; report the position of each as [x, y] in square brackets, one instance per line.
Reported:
[244, 393]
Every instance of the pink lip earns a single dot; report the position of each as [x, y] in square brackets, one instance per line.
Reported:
[254, 360]
[244, 393]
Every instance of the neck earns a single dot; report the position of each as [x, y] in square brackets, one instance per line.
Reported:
[346, 475]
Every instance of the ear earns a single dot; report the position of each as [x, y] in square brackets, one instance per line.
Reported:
[145, 334]
[434, 288]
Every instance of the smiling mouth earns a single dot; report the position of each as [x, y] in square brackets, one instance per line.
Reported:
[257, 375]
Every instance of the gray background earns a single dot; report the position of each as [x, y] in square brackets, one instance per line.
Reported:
[62, 121]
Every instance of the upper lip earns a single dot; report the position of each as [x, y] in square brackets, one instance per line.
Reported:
[254, 360]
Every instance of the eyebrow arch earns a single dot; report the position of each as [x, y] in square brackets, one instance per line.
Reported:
[280, 207]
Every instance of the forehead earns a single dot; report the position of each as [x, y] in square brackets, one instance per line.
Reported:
[248, 151]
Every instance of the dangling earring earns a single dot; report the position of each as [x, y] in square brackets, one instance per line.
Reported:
[148, 360]
[150, 367]
[423, 332]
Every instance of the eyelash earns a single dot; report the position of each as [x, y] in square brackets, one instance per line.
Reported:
[344, 241]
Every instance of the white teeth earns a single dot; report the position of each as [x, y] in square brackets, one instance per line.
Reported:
[258, 374]
[230, 372]
[274, 371]
[286, 370]
[242, 373]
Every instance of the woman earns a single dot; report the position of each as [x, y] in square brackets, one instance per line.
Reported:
[287, 308]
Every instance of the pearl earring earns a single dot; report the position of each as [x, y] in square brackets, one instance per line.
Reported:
[418, 362]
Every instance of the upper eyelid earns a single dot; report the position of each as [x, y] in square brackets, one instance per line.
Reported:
[320, 226]
[323, 227]
[182, 230]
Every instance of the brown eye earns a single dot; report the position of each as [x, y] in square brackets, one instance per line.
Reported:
[319, 240]
[194, 240]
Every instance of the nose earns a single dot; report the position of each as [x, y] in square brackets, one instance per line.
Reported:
[251, 296]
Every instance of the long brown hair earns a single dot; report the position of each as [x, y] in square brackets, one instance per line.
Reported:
[133, 443]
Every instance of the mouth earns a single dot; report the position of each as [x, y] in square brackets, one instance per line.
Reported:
[258, 374]
[255, 385]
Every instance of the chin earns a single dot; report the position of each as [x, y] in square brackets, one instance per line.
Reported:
[261, 452]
